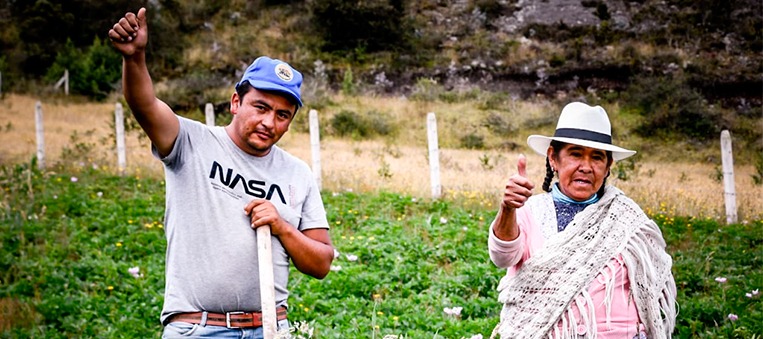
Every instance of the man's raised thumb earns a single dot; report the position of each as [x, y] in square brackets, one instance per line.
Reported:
[522, 165]
[142, 17]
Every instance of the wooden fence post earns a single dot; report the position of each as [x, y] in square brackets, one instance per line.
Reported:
[434, 155]
[315, 145]
[119, 123]
[267, 282]
[40, 135]
[64, 81]
[727, 158]
[209, 112]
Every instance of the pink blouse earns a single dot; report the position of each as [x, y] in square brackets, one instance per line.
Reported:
[620, 321]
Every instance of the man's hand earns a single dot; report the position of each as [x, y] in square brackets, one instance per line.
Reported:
[130, 34]
[262, 212]
[310, 250]
[519, 188]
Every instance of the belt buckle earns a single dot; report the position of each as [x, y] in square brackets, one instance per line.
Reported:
[227, 319]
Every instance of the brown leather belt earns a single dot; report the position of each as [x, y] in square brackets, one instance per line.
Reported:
[229, 320]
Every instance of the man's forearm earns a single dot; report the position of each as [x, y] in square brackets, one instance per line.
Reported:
[136, 84]
[310, 251]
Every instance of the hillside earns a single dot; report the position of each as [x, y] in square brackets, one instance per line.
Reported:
[525, 48]
[687, 69]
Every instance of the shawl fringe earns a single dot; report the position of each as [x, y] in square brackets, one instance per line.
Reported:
[538, 300]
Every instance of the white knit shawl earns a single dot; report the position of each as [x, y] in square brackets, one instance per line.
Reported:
[559, 274]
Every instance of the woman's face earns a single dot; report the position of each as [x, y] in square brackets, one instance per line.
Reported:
[581, 170]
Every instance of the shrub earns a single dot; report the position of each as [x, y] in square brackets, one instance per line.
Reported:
[473, 141]
[193, 91]
[349, 123]
[498, 124]
[373, 26]
[492, 100]
[493, 9]
[670, 107]
[93, 73]
[380, 123]
[348, 84]
[757, 177]
[79, 149]
[427, 89]
[626, 169]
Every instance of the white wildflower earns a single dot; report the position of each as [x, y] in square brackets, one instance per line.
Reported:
[454, 311]
[135, 272]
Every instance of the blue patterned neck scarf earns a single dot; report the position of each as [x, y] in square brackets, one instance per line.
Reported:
[566, 208]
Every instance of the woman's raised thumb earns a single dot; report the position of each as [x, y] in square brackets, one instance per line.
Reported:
[522, 165]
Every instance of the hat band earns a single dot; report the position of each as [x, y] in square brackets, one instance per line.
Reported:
[583, 134]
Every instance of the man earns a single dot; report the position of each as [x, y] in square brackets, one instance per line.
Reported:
[223, 183]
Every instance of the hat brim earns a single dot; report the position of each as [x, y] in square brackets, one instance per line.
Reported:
[540, 143]
[268, 86]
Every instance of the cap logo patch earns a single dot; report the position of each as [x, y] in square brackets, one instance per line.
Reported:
[284, 72]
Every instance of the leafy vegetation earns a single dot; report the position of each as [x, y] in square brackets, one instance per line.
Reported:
[82, 255]
[362, 27]
[96, 76]
[673, 109]
[357, 126]
[35, 31]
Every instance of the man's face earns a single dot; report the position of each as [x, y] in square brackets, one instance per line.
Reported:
[259, 120]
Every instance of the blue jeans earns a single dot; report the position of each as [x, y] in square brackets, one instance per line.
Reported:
[179, 329]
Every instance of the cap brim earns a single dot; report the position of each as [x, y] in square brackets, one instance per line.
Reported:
[268, 86]
[540, 144]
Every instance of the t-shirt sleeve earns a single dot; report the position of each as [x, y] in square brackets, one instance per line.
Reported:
[186, 128]
[313, 211]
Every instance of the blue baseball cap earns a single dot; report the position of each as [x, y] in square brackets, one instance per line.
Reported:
[274, 75]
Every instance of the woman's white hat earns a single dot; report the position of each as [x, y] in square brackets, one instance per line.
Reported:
[582, 125]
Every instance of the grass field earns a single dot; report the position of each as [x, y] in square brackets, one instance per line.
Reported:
[82, 256]
[74, 234]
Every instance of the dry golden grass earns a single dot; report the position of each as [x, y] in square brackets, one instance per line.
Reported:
[92, 122]
[397, 164]
[454, 120]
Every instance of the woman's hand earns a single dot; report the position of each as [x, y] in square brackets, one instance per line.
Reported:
[517, 191]
[519, 188]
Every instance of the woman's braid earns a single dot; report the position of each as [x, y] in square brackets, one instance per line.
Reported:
[600, 193]
[549, 176]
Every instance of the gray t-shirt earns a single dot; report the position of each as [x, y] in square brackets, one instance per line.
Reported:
[211, 259]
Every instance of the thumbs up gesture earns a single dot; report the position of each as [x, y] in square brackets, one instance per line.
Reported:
[130, 34]
[519, 188]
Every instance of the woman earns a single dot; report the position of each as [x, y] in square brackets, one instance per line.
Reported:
[583, 259]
